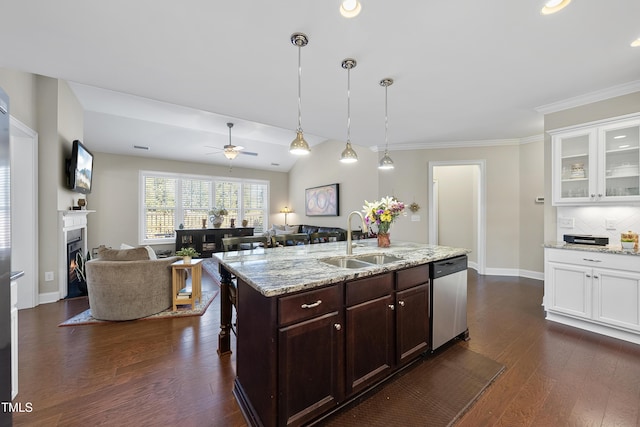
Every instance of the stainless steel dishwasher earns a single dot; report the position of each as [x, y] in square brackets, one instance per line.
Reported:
[448, 300]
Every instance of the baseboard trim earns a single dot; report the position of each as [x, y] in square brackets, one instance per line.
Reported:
[536, 275]
[48, 297]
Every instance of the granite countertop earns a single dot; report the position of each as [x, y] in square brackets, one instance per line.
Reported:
[282, 270]
[608, 249]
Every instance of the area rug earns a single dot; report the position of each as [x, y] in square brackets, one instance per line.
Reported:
[435, 392]
[85, 318]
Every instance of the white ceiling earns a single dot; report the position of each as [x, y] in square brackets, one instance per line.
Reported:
[170, 75]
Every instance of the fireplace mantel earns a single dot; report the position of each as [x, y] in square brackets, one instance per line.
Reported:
[69, 220]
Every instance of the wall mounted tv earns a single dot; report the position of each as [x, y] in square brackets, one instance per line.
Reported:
[80, 168]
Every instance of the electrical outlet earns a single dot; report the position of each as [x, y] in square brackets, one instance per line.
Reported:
[48, 276]
[566, 222]
[610, 224]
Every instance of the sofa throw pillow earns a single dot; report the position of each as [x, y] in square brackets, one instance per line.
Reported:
[135, 254]
[150, 251]
[281, 232]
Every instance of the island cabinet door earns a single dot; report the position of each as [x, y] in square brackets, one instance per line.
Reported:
[370, 331]
[311, 368]
[412, 322]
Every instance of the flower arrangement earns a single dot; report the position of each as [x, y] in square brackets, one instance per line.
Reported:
[218, 212]
[216, 216]
[382, 213]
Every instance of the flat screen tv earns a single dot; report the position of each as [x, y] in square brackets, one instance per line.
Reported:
[80, 168]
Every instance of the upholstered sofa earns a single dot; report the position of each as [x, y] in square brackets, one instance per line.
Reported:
[126, 284]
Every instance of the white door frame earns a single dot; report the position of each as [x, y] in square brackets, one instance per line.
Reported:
[24, 205]
[481, 208]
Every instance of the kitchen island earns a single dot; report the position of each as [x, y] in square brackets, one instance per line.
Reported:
[315, 328]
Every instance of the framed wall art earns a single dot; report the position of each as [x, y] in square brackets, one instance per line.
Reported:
[322, 201]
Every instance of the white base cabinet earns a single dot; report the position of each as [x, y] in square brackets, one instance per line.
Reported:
[595, 291]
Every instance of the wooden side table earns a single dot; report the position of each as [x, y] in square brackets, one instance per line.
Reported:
[178, 270]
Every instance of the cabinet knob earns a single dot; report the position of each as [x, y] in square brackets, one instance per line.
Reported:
[588, 275]
[595, 276]
[599, 194]
[401, 303]
[392, 307]
[593, 195]
[338, 326]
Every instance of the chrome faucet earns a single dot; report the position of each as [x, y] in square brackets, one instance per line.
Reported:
[364, 228]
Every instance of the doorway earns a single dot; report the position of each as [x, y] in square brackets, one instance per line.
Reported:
[24, 211]
[457, 207]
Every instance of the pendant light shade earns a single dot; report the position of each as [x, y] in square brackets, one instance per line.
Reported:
[299, 146]
[349, 155]
[385, 161]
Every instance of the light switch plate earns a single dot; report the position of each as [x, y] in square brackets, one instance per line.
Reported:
[48, 276]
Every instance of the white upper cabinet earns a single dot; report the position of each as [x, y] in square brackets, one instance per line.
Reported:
[597, 163]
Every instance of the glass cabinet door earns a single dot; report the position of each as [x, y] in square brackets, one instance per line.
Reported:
[621, 160]
[573, 166]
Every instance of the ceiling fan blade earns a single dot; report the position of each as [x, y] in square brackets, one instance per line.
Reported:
[248, 153]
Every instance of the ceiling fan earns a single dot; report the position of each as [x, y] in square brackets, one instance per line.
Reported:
[231, 151]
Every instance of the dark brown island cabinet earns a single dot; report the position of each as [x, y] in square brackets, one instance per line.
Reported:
[300, 356]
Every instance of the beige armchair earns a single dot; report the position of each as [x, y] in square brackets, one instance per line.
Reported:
[121, 289]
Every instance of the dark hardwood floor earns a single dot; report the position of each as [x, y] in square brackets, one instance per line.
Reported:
[160, 372]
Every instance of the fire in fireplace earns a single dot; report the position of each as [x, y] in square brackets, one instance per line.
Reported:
[76, 286]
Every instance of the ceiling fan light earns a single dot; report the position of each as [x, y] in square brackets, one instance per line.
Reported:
[553, 6]
[349, 155]
[386, 162]
[230, 153]
[636, 42]
[350, 8]
[299, 146]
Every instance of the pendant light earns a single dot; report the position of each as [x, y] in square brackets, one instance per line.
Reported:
[299, 146]
[385, 161]
[349, 155]
[230, 151]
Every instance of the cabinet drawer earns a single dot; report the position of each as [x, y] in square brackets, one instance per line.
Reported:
[412, 277]
[306, 305]
[594, 259]
[367, 289]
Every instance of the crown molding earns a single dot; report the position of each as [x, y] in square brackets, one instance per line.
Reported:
[459, 144]
[588, 98]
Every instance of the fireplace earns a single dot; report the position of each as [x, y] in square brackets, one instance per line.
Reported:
[76, 286]
[73, 240]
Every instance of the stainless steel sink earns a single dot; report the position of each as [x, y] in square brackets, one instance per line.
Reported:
[361, 261]
[379, 259]
[346, 262]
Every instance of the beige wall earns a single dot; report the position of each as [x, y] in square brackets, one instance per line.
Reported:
[115, 193]
[457, 207]
[358, 182]
[48, 107]
[532, 213]
[609, 108]
[408, 182]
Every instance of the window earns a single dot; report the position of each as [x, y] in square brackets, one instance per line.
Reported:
[169, 200]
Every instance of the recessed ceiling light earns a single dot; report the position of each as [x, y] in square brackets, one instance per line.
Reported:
[636, 42]
[553, 6]
[350, 8]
